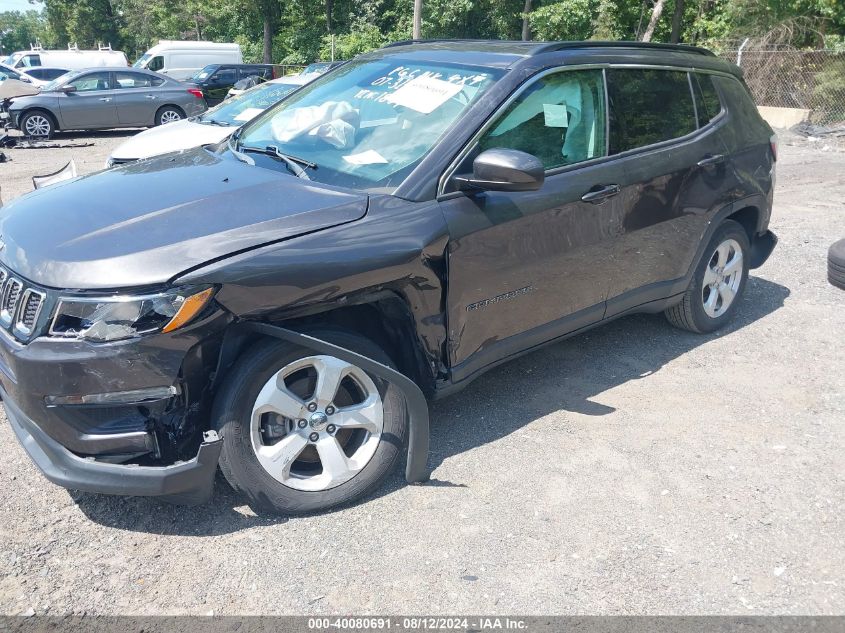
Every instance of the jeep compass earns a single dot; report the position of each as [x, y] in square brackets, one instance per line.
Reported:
[282, 304]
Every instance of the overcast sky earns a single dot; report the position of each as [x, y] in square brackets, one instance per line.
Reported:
[19, 5]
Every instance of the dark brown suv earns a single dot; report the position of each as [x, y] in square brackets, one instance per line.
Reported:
[283, 304]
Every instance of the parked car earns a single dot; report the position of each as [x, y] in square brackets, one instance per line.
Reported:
[42, 75]
[180, 60]
[72, 58]
[102, 98]
[319, 68]
[7, 72]
[211, 127]
[250, 82]
[281, 304]
[215, 80]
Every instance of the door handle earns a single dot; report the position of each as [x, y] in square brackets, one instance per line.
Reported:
[151, 96]
[709, 161]
[600, 193]
[105, 98]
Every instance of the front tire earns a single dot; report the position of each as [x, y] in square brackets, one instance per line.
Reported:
[717, 284]
[304, 432]
[37, 124]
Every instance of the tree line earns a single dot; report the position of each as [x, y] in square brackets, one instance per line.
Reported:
[301, 31]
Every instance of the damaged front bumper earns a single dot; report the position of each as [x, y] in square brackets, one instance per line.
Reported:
[122, 418]
[189, 482]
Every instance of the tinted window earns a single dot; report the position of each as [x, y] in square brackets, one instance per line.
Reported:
[225, 76]
[156, 63]
[706, 99]
[647, 107]
[132, 80]
[91, 81]
[560, 119]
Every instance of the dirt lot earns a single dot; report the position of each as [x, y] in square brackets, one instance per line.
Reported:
[636, 469]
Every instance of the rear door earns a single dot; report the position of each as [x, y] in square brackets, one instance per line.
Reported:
[526, 267]
[136, 96]
[92, 105]
[672, 163]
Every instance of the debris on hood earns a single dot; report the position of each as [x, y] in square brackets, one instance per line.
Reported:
[67, 172]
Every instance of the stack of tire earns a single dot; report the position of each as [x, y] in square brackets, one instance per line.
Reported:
[836, 264]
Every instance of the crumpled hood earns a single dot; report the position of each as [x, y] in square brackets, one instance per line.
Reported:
[172, 137]
[146, 222]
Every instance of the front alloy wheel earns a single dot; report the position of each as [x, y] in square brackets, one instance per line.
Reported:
[305, 432]
[37, 125]
[316, 423]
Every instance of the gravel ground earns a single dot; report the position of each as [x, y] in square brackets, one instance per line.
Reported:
[636, 469]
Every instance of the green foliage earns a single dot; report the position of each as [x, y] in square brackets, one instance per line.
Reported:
[19, 29]
[301, 29]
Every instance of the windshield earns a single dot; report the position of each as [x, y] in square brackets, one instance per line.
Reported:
[60, 80]
[141, 63]
[12, 59]
[202, 74]
[366, 125]
[248, 105]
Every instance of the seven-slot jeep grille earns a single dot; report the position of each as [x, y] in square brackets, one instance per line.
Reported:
[20, 305]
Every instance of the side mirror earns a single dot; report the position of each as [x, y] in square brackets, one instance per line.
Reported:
[67, 88]
[502, 169]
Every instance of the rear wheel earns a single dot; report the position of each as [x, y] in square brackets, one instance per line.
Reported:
[304, 432]
[169, 114]
[37, 124]
[714, 292]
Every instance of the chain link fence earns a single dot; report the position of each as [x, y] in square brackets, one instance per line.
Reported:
[811, 80]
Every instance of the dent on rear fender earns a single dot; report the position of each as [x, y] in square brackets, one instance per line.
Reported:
[399, 246]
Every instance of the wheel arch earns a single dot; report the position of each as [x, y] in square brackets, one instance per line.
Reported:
[169, 105]
[384, 317]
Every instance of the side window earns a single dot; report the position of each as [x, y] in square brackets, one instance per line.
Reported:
[647, 107]
[91, 81]
[225, 76]
[560, 119]
[156, 81]
[706, 99]
[131, 80]
[156, 63]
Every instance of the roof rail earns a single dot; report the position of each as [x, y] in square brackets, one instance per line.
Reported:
[72, 47]
[104, 47]
[544, 47]
[682, 48]
[36, 47]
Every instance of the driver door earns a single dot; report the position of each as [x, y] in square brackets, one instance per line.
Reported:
[92, 105]
[527, 267]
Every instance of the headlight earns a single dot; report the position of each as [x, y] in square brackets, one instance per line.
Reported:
[113, 318]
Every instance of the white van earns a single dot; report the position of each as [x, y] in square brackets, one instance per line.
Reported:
[180, 60]
[71, 59]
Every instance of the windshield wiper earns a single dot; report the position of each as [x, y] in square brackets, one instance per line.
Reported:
[293, 162]
[215, 122]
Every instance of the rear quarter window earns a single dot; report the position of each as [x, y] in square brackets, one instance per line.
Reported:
[648, 106]
[748, 126]
[707, 101]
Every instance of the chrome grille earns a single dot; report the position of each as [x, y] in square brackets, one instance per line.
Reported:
[29, 311]
[20, 305]
[9, 300]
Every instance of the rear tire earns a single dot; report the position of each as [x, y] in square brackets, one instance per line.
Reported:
[717, 284]
[295, 462]
[169, 114]
[38, 124]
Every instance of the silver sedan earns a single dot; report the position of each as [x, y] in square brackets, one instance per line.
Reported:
[102, 98]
